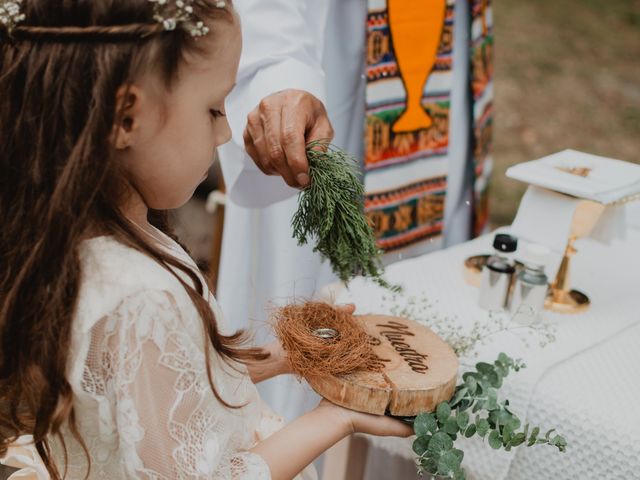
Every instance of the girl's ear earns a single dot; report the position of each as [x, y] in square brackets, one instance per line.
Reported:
[125, 128]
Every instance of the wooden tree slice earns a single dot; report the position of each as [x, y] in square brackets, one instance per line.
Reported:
[420, 371]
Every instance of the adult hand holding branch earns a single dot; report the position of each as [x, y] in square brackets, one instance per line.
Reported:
[279, 129]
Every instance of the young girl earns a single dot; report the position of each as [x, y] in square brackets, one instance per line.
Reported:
[112, 353]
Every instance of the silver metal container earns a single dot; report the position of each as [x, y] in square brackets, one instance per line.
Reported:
[497, 274]
[529, 293]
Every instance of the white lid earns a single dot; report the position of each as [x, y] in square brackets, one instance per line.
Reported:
[535, 255]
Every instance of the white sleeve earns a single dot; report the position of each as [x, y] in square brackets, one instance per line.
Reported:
[282, 48]
[152, 373]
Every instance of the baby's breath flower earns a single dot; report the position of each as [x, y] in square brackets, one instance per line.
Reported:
[10, 14]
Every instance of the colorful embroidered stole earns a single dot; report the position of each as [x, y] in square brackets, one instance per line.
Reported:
[409, 77]
[482, 93]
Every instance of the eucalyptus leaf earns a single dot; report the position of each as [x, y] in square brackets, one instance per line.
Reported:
[502, 417]
[468, 375]
[501, 369]
[463, 420]
[459, 474]
[514, 422]
[459, 453]
[429, 464]
[507, 431]
[451, 425]
[440, 443]
[471, 384]
[494, 440]
[464, 404]
[425, 423]
[420, 445]
[518, 439]
[492, 400]
[470, 431]
[449, 462]
[484, 368]
[504, 358]
[459, 395]
[495, 379]
[443, 411]
[482, 427]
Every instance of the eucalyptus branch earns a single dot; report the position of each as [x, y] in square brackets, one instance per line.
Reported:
[489, 418]
[331, 211]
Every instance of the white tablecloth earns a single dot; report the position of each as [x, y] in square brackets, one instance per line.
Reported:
[586, 383]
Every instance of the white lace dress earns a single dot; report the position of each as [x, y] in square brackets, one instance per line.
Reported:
[143, 403]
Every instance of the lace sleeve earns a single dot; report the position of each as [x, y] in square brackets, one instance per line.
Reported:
[146, 370]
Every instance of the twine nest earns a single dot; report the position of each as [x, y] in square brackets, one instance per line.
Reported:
[309, 354]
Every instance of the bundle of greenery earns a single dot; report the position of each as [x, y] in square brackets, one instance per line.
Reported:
[330, 209]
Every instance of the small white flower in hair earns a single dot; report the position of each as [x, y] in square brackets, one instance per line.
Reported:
[10, 14]
[169, 24]
[179, 13]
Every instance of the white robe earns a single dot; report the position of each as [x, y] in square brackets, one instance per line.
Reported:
[317, 46]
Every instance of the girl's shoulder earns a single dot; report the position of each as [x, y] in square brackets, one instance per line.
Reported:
[112, 272]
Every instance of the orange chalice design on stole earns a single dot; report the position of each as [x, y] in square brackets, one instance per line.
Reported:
[416, 28]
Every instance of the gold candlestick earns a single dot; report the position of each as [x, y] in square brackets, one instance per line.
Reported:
[561, 298]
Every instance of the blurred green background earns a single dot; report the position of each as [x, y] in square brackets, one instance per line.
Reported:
[567, 75]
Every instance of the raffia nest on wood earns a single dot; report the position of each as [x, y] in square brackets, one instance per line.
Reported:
[300, 329]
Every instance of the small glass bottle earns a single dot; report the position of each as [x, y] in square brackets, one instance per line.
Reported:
[531, 286]
[497, 274]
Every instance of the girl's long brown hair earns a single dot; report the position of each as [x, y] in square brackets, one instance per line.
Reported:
[59, 182]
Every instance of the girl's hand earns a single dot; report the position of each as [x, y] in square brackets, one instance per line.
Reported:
[277, 358]
[289, 450]
[277, 363]
[347, 307]
[357, 422]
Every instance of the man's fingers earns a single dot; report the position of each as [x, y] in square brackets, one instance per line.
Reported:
[249, 146]
[279, 129]
[321, 129]
[270, 126]
[261, 155]
[261, 150]
[271, 118]
[293, 142]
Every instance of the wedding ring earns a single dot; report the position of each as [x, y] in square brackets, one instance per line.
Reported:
[326, 333]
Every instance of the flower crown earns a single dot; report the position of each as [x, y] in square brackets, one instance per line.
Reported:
[170, 14]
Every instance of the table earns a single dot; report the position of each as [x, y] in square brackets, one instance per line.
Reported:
[586, 383]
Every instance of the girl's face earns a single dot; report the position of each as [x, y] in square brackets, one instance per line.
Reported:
[167, 139]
